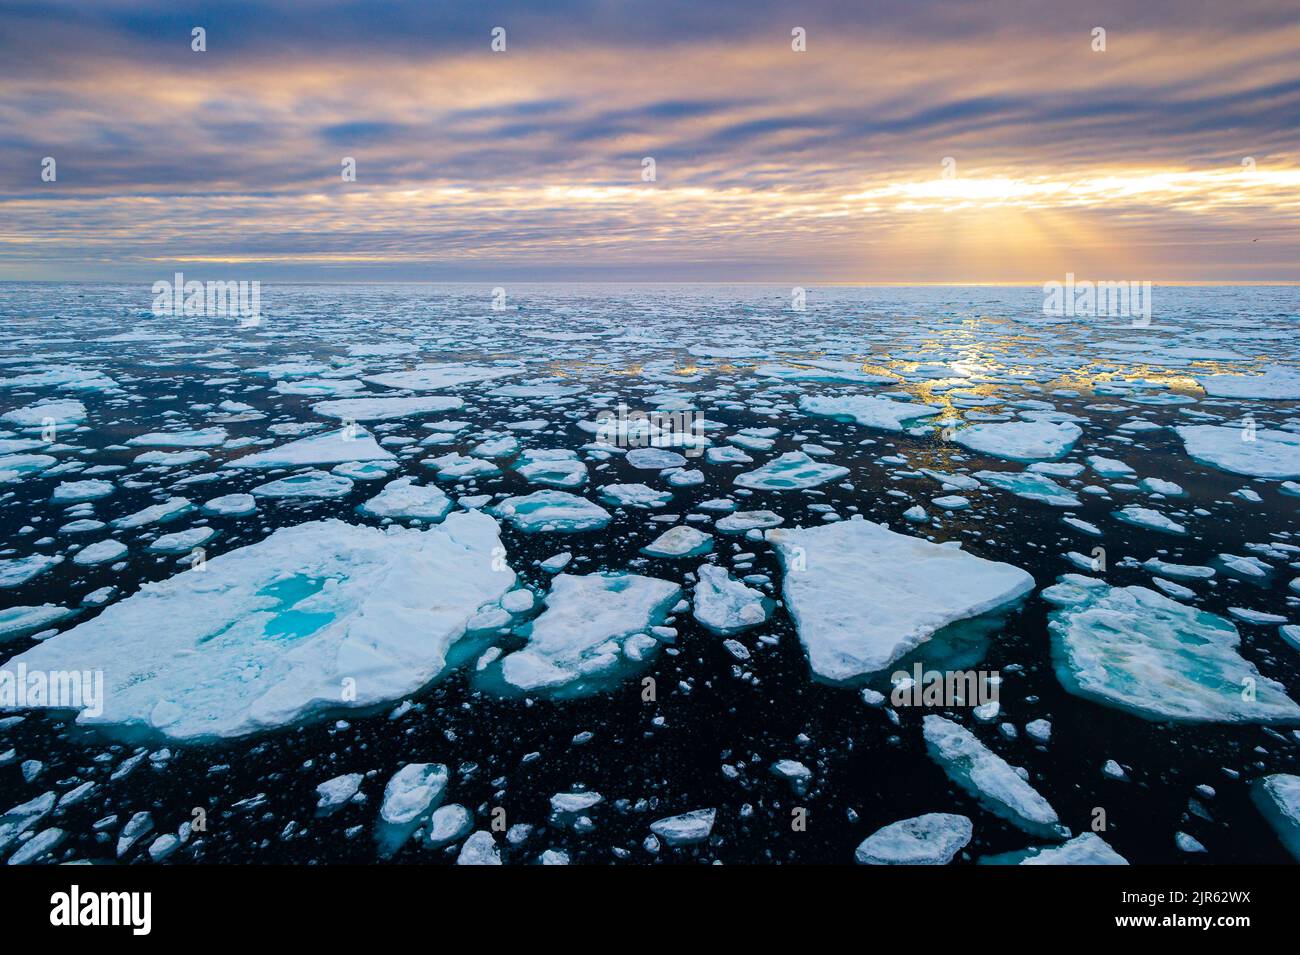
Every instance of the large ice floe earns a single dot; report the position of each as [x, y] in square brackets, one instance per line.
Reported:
[1277, 383]
[333, 447]
[315, 617]
[1257, 452]
[1021, 440]
[868, 410]
[594, 628]
[989, 778]
[1135, 649]
[862, 595]
[792, 471]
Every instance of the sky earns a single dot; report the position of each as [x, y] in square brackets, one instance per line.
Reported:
[908, 141]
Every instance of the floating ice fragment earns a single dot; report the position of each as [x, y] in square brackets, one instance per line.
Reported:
[680, 541]
[581, 632]
[385, 409]
[686, 829]
[988, 777]
[1020, 440]
[1278, 798]
[307, 484]
[932, 839]
[1086, 849]
[791, 471]
[1262, 452]
[333, 447]
[269, 633]
[552, 511]
[1139, 651]
[1032, 487]
[862, 596]
[404, 498]
[1150, 519]
[725, 605]
[868, 410]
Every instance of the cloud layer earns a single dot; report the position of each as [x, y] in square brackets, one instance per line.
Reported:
[1171, 155]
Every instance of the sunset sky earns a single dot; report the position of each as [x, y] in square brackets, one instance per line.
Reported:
[771, 164]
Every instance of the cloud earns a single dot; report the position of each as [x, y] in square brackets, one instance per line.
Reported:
[531, 160]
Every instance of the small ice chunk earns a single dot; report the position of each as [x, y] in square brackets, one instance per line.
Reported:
[932, 839]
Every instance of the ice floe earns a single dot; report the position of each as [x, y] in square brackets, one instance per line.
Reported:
[1261, 452]
[862, 595]
[931, 839]
[1135, 649]
[581, 635]
[317, 616]
[989, 778]
[1020, 440]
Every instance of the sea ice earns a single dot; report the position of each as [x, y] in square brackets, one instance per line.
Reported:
[654, 459]
[553, 467]
[100, 552]
[1032, 487]
[14, 572]
[1150, 519]
[333, 447]
[988, 777]
[435, 377]
[168, 510]
[1277, 383]
[1020, 440]
[181, 541]
[1272, 453]
[1086, 849]
[202, 438]
[680, 541]
[231, 505]
[741, 522]
[584, 626]
[20, 621]
[59, 411]
[868, 410]
[385, 409]
[725, 605]
[403, 498]
[791, 471]
[333, 794]
[479, 849]
[686, 829]
[273, 632]
[1278, 798]
[1139, 651]
[862, 595]
[307, 484]
[634, 495]
[931, 839]
[74, 492]
[552, 511]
